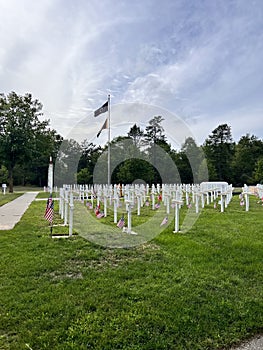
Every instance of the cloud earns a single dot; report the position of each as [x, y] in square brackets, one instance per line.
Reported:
[201, 60]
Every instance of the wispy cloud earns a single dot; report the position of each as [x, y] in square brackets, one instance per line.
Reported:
[199, 60]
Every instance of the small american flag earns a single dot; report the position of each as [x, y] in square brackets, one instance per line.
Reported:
[100, 215]
[49, 213]
[121, 222]
[164, 222]
[89, 205]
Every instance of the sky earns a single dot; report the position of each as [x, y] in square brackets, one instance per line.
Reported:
[197, 63]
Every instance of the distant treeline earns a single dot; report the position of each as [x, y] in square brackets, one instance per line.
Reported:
[26, 143]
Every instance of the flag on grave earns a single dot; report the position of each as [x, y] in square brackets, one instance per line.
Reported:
[121, 222]
[49, 213]
[102, 109]
[104, 126]
[164, 222]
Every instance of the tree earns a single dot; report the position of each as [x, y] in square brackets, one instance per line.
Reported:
[219, 150]
[135, 169]
[84, 176]
[258, 173]
[136, 135]
[66, 167]
[154, 132]
[89, 156]
[3, 174]
[154, 137]
[20, 129]
[193, 157]
[247, 152]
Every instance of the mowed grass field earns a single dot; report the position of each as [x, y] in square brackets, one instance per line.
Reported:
[198, 290]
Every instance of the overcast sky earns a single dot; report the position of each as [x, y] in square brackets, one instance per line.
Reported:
[195, 61]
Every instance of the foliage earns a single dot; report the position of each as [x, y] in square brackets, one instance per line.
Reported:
[247, 152]
[258, 173]
[67, 161]
[3, 175]
[25, 142]
[154, 132]
[219, 150]
[84, 176]
[136, 134]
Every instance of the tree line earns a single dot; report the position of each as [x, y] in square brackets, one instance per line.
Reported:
[26, 143]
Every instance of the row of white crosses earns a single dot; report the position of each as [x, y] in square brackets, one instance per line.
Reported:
[172, 197]
[213, 190]
[247, 190]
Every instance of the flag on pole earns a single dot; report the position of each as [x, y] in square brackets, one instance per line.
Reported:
[49, 209]
[102, 109]
[121, 222]
[104, 126]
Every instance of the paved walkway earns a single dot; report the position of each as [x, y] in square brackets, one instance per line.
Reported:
[12, 212]
[255, 343]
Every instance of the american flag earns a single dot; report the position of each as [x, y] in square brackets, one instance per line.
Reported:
[164, 222]
[100, 215]
[89, 205]
[49, 209]
[121, 222]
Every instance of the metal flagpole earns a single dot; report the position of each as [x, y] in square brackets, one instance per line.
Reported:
[109, 177]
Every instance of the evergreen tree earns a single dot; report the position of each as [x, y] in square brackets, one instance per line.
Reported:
[247, 152]
[219, 150]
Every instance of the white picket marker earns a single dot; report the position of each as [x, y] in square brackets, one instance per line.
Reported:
[202, 199]
[196, 202]
[66, 208]
[128, 206]
[115, 205]
[138, 205]
[105, 206]
[177, 204]
[61, 203]
[71, 210]
[222, 200]
[207, 198]
[168, 203]
[247, 201]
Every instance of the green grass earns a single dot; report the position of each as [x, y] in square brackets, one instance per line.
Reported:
[27, 188]
[197, 290]
[8, 197]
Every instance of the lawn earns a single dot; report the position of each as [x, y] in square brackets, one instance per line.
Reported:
[197, 290]
[8, 197]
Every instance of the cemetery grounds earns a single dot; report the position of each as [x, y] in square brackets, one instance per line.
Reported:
[196, 290]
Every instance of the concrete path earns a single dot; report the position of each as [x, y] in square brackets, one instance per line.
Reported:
[12, 212]
[255, 343]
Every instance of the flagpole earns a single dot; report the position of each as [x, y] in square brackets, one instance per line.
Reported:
[109, 177]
